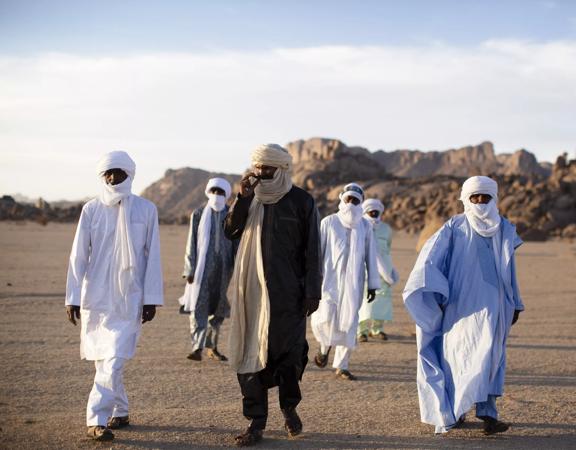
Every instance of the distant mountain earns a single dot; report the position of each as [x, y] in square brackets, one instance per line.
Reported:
[180, 191]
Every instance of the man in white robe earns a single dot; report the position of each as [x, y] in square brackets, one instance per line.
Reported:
[349, 253]
[114, 285]
[208, 265]
[463, 296]
[373, 315]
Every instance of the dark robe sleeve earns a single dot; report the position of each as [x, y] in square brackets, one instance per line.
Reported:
[313, 260]
[236, 218]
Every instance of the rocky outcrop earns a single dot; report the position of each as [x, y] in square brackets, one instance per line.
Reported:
[40, 212]
[180, 191]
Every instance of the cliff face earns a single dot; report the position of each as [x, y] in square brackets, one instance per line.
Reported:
[180, 191]
[420, 190]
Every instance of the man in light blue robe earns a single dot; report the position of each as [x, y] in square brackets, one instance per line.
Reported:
[463, 296]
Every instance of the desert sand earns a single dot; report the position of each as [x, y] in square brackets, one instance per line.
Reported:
[177, 403]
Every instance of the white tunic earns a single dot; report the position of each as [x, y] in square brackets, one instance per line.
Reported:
[336, 244]
[103, 333]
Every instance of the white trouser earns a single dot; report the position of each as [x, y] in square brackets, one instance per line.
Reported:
[107, 397]
[341, 356]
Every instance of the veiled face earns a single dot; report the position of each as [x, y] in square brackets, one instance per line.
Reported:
[264, 172]
[480, 198]
[217, 191]
[351, 199]
[115, 176]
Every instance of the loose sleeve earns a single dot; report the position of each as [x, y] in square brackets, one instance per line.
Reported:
[371, 253]
[153, 284]
[79, 257]
[313, 259]
[236, 218]
[518, 303]
[190, 256]
[427, 288]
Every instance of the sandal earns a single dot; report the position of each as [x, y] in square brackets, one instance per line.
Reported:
[248, 438]
[215, 354]
[345, 374]
[99, 433]
[118, 422]
[321, 359]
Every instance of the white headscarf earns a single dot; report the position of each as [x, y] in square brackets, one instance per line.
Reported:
[372, 204]
[123, 264]
[215, 203]
[483, 218]
[349, 213]
[248, 294]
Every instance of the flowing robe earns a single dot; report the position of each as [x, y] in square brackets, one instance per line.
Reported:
[103, 333]
[463, 302]
[218, 266]
[292, 268]
[336, 245]
[381, 307]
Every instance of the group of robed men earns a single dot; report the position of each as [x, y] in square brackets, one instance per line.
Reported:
[267, 262]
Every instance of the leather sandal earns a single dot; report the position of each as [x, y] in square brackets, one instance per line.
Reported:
[321, 359]
[248, 438]
[99, 433]
[118, 422]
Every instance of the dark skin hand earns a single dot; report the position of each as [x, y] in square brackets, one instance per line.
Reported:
[148, 313]
[261, 172]
[115, 176]
[516, 316]
[371, 295]
[480, 198]
[73, 313]
[310, 305]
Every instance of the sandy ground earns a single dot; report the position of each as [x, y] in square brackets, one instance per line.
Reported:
[176, 403]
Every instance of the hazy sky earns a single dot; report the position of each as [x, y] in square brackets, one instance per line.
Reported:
[190, 83]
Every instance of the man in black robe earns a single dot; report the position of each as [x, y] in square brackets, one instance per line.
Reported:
[279, 230]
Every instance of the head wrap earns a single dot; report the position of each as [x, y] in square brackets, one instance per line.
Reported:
[123, 262]
[270, 191]
[352, 190]
[349, 213]
[219, 183]
[272, 155]
[116, 160]
[483, 218]
[372, 204]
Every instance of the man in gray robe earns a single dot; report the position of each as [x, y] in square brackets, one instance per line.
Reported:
[208, 266]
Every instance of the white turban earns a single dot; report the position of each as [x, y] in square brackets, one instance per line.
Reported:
[352, 190]
[479, 185]
[219, 183]
[372, 204]
[116, 160]
[272, 155]
[483, 218]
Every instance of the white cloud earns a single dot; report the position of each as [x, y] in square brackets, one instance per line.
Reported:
[58, 112]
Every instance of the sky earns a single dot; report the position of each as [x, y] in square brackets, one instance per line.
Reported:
[200, 84]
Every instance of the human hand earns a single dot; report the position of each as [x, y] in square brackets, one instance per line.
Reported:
[516, 316]
[190, 278]
[246, 187]
[371, 295]
[73, 313]
[310, 305]
[148, 313]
